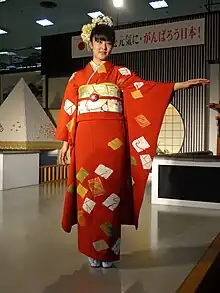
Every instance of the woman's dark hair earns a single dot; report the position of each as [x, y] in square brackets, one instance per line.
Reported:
[102, 32]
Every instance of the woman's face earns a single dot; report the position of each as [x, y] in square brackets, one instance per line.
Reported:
[101, 49]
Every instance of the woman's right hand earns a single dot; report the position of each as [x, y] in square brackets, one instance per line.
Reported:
[62, 153]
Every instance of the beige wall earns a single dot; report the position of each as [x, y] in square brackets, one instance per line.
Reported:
[56, 88]
[8, 82]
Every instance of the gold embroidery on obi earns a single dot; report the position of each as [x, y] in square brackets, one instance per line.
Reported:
[102, 89]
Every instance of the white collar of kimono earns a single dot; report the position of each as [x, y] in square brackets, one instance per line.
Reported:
[96, 66]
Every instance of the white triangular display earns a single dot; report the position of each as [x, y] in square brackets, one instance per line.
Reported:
[23, 122]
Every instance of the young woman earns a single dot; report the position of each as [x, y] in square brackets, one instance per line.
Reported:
[110, 118]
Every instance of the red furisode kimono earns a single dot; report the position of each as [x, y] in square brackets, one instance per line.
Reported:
[113, 138]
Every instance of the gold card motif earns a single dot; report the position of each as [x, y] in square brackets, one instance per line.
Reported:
[142, 121]
[82, 191]
[137, 94]
[133, 161]
[115, 144]
[96, 186]
[81, 175]
[107, 228]
[102, 69]
[81, 218]
[100, 245]
[70, 189]
[70, 124]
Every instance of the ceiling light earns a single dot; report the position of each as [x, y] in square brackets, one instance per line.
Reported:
[158, 4]
[7, 53]
[37, 48]
[1, 1]
[95, 14]
[2, 32]
[118, 3]
[44, 22]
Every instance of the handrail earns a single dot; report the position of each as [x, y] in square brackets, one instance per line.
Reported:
[53, 173]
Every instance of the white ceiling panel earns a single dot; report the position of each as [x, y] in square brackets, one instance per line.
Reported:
[18, 17]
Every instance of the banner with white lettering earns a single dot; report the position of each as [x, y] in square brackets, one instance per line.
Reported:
[175, 34]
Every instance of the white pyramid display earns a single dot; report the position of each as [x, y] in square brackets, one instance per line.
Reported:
[24, 125]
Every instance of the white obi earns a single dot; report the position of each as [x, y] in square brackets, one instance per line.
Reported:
[104, 97]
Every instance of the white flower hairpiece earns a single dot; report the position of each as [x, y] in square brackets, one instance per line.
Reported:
[87, 28]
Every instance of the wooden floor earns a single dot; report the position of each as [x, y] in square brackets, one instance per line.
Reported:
[192, 282]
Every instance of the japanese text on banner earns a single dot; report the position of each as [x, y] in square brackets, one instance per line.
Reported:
[167, 35]
[164, 35]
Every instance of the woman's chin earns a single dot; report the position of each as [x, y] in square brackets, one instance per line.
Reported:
[103, 57]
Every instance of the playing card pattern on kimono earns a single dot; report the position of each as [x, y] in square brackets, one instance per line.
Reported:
[115, 144]
[100, 245]
[112, 202]
[81, 190]
[137, 94]
[142, 121]
[81, 175]
[70, 125]
[103, 171]
[116, 247]
[103, 190]
[124, 71]
[146, 161]
[88, 205]
[138, 85]
[69, 107]
[96, 186]
[99, 216]
[140, 144]
[107, 228]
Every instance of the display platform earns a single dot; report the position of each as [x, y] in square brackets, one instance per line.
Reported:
[18, 169]
[190, 179]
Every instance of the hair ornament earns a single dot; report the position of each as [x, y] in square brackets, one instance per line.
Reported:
[87, 28]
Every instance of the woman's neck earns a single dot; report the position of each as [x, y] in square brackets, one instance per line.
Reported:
[97, 61]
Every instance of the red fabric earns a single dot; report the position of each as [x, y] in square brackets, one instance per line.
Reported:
[89, 140]
[92, 149]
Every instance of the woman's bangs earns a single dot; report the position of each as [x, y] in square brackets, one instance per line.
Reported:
[102, 37]
[103, 33]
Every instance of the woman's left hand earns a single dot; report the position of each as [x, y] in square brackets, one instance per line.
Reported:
[190, 83]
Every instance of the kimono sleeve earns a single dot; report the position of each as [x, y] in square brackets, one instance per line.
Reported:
[138, 93]
[129, 81]
[67, 115]
[145, 103]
